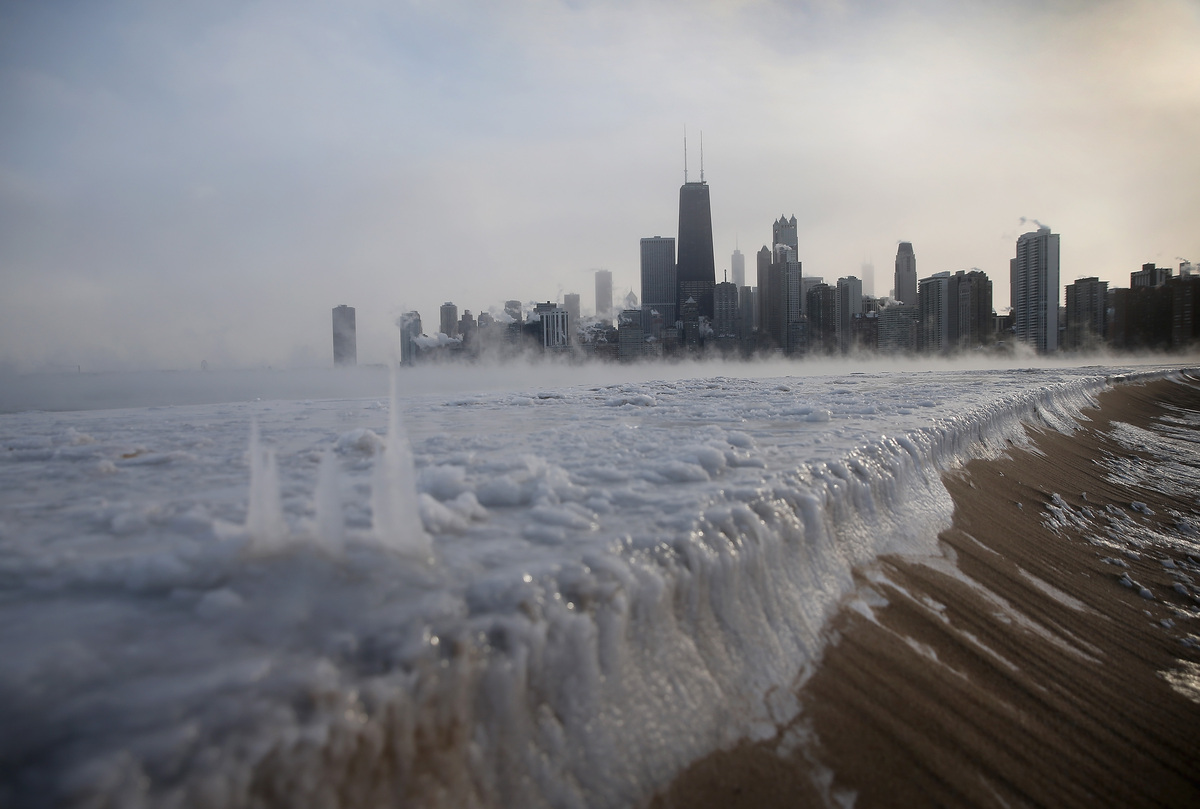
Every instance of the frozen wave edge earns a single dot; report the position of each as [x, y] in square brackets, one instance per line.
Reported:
[590, 681]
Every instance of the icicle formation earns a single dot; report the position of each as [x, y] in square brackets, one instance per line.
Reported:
[330, 526]
[397, 520]
[265, 524]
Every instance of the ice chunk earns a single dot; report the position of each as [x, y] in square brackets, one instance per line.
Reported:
[396, 518]
[362, 441]
[265, 523]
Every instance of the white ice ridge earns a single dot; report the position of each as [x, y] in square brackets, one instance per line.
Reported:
[397, 520]
[625, 578]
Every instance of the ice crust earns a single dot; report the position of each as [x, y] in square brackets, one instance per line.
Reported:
[557, 598]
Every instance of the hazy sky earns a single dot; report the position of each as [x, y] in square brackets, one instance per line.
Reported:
[205, 181]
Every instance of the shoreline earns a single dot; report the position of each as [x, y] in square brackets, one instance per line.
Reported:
[1016, 669]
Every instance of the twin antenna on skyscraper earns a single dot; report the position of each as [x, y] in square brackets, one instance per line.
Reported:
[685, 175]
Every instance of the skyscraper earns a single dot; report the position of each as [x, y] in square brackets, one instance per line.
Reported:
[771, 298]
[737, 268]
[784, 232]
[512, 310]
[1087, 313]
[822, 318]
[849, 307]
[604, 295]
[695, 270]
[975, 321]
[345, 337]
[571, 304]
[898, 329]
[935, 305]
[631, 343]
[725, 310]
[553, 331]
[807, 282]
[658, 282]
[793, 308]
[906, 274]
[410, 330]
[449, 319]
[868, 278]
[1033, 279]
[746, 308]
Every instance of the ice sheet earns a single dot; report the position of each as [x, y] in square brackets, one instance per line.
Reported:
[600, 584]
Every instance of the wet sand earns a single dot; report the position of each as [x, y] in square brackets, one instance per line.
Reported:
[1018, 669]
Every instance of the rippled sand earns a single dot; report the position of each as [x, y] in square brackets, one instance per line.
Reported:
[1050, 656]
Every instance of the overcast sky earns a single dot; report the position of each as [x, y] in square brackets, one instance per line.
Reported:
[205, 181]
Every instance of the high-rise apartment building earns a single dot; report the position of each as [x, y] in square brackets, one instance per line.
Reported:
[725, 310]
[695, 270]
[849, 307]
[1149, 276]
[793, 304]
[1033, 282]
[906, 274]
[659, 287]
[410, 330]
[631, 342]
[934, 298]
[737, 268]
[771, 298]
[807, 282]
[822, 319]
[1087, 313]
[553, 321]
[345, 336]
[898, 326]
[466, 326]
[571, 304]
[746, 306]
[781, 296]
[512, 310]
[769, 284]
[976, 324]
[449, 319]
[604, 303]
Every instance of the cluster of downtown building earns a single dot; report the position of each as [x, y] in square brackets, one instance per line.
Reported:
[685, 311]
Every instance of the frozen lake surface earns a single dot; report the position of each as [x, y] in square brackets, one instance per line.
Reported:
[555, 595]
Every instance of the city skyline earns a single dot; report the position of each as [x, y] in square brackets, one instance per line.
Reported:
[180, 184]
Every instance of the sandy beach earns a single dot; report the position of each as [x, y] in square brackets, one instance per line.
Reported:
[1049, 657]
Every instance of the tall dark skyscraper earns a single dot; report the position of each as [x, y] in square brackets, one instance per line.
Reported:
[772, 299]
[906, 274]
[695, 270]
[449, 319]
[1034, 291]
[345, 338]
[784, 232]
[658, 282]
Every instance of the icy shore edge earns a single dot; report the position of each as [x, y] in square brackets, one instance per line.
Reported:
[593, 685]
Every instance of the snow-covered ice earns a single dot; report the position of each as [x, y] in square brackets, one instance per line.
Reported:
[543, 596]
